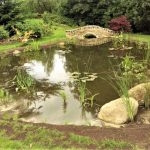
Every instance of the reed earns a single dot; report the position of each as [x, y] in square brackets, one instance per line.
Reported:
[24, 81]
[5, 97]
[147, 97]
[121, 80]
[91, 99]
[82, 91]
[63, 95]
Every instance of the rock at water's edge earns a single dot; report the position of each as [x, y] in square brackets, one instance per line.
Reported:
[138, 92]
[115, 112]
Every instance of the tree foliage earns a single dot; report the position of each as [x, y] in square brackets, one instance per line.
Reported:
[83, 12]
[9, 13]
[40, 6]
[100, 12]
[3, 33]
[120, 24]
[86, 11]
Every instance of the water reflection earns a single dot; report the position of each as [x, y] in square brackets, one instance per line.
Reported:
[36, 70]
[57, 73]
[55, 109]
[52, 111]
[51, 69]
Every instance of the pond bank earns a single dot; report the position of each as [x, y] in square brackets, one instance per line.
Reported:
[58, 35]
[76, 137]
[28, 48]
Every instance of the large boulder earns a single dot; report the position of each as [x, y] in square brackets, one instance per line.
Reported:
[139, 91]
[115, 112]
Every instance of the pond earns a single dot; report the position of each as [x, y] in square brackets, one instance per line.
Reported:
[56, 71]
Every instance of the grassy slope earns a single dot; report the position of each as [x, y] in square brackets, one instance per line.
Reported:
[138, 37]
[58, 34]
[15, 135]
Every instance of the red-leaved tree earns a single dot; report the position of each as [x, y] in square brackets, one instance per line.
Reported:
[120, 24]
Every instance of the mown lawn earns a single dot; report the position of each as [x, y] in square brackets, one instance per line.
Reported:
[58, 34]
[138, 37]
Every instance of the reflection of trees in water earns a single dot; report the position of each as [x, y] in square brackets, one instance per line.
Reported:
[98, 63]
[65, 104]
[33, 99]
[45, 56]
[93, 57]
[4, 63]
[8, 67]
[11, 64]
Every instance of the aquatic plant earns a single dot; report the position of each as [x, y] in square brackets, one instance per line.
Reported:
[82, 90]
[83, 93]
[63, 95]
[24, 81]
[132, 72]
[5, 97]
[135, 70]
[147, 97]
[35, 46]
[121, 80]
[91, 99]
[123, 85]
[82, 79]
[147, 54]
[118, 41]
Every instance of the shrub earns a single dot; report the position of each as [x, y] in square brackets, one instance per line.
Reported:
[120, 24]
[3, 33]
[47, 17]
[37, 26]
[56, 18]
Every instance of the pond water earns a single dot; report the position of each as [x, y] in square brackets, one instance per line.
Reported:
[53, 70]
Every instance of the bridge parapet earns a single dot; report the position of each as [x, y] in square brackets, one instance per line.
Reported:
[81, 32]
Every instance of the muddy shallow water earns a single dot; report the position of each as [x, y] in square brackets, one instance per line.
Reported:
[53, 70]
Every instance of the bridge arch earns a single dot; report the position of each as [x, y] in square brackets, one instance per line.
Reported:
[90, 34]
[80, 32]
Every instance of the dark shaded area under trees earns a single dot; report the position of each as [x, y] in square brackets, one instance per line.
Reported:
[100, 12]
[82, 12]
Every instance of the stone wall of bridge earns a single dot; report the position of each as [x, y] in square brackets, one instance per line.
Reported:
[81, 32]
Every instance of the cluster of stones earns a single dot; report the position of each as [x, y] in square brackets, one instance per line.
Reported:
[116, 113]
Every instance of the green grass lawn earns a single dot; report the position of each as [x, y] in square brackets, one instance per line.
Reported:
[138, 37]
[34, 137]
[57, 35]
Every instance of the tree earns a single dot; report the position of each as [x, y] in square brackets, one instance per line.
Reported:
[86, 11]
[138, 13]
[9, 13]
[120, 24]
[100, 12]
[40, 6]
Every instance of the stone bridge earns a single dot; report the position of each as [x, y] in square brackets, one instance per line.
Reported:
[87, 32]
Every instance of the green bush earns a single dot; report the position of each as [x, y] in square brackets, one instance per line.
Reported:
[3, 33]
[56, 18]
[37, 26]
